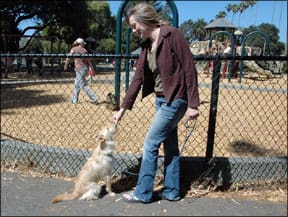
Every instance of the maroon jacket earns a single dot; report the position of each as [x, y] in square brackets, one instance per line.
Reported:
[176, 67]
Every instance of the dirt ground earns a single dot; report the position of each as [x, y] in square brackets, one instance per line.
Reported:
[42, 114]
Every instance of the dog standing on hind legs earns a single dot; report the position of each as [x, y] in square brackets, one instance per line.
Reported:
[98, 166]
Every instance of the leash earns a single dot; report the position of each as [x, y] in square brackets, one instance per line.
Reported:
[190, 129]
[205, 178]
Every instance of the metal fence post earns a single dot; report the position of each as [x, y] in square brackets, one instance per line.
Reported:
[118, 50]
[127, 70]
[213, 107]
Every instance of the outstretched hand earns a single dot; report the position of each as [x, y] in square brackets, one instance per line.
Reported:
[117, 117]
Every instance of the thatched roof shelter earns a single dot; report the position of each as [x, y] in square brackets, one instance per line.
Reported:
[220, 24]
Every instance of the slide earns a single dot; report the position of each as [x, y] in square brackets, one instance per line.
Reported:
[251, 65]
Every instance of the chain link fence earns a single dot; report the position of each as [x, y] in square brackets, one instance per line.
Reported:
[241, 124]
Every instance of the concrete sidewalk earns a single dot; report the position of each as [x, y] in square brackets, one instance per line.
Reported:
[23, 195]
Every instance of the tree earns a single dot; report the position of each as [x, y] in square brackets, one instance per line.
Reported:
[187, 29]
[221, 14]
[235, 8]
[101, 25]
[107, 46]
[275, 47]
[228, 9]
[41, 15]
[66, 26]
[193, 30]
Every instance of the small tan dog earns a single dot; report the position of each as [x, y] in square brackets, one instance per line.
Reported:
[97, 167]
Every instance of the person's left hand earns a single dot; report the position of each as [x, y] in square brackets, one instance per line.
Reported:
[192, 113]
[117, 117]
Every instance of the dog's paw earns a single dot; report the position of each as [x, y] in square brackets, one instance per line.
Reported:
[89, 198]
[111, 194]
[92, 198]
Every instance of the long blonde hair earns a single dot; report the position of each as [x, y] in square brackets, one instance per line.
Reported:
[146, 14]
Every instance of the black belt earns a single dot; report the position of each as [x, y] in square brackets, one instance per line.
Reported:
[159, 94]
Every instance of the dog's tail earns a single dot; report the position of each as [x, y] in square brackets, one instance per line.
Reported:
[66, 196]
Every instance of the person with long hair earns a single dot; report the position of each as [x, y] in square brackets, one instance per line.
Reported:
[165, 68]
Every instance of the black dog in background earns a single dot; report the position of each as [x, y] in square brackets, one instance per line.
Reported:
[112, 102]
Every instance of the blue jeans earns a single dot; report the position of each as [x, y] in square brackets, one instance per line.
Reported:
[163, 129]
[81, 84]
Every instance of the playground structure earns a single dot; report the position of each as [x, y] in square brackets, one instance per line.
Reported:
[217, 47]
[226, 40]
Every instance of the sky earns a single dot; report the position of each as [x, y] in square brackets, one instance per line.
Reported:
[272, 12]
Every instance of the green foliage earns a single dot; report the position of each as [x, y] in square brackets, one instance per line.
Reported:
[107, 46]
[101, 24]
[193, 30]
[53, 18]
[275, 46]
